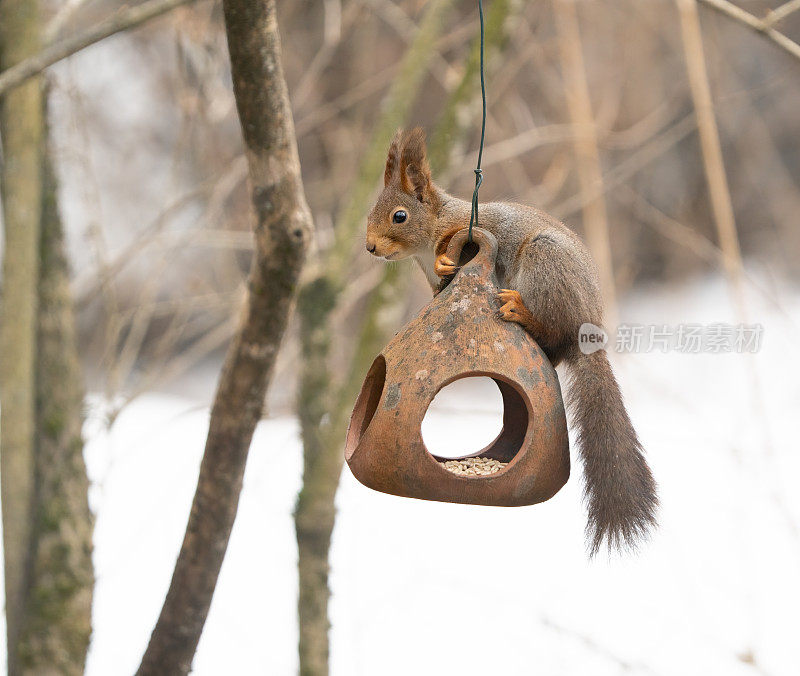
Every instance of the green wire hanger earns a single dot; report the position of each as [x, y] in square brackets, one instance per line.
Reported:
[473, 219]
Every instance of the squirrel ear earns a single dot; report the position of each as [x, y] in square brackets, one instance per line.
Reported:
[415, 174]
[393, 159]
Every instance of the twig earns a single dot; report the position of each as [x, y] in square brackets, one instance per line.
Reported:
[122, 21]
[590, 173]
[522, 143]
[332, 40]
[324, 112]
[698, 244]
[397, 103]
[551, 181]
[654, 148]
[153, 234]
[781, 12]
[721, 200]
[719, 192]
[592, 645]
[60, 18]
[208, 342]
[402, 24]
[644, 128]
[123, 365]
[763, 26]
[668, 227]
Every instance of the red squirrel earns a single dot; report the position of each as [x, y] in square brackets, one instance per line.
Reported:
[552, 289]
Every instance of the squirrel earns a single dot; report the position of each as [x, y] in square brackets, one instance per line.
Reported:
[552, 290]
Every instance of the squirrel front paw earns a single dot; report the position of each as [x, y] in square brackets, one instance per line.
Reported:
[443, 266]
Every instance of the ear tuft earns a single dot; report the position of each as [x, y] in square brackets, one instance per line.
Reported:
[393, 158]
[415, 174]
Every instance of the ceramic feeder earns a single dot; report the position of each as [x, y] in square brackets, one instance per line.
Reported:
[457, 335]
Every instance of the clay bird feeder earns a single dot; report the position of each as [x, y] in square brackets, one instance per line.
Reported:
[457, 335]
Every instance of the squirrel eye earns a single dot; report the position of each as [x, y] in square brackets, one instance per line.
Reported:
[400, 216]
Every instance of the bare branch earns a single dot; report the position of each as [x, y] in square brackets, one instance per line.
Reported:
[781, 12]
[61, 17]
[761, 26]
[587, 155]
[332, 39]
[718, 189]
[122, 21]
[620, 173]
[402, 24]
[592, 645]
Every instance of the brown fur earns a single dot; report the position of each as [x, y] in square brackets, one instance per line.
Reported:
[415, 174]
[552, 289]
[393, 158]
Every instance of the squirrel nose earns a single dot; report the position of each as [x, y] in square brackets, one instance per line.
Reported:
[371, 246]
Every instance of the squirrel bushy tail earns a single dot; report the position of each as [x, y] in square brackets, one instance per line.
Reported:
[620, 491]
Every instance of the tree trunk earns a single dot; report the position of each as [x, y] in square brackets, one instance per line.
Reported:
[324, 406]
[322, 458]
[21, 129]
[123, 20]
[282, 233]
[56, 623]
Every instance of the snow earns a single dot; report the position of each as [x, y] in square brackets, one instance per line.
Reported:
[429, 588]
[475, 406]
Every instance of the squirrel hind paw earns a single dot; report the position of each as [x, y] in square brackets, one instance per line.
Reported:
[512, 307]
[508, 314]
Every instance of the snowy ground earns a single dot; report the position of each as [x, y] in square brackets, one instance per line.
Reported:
[431, 588]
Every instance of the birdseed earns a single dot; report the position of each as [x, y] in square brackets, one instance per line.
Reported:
[473, 466]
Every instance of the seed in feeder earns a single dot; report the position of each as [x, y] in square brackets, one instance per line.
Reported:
[473, 466]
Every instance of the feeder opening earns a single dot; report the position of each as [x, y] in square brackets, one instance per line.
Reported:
[475, 425]
[468, 252]
[366, 404]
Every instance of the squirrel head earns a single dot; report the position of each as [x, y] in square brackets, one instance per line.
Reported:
[403, 220]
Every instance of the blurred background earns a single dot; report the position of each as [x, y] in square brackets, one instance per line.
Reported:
[598, 115]
[153, 179]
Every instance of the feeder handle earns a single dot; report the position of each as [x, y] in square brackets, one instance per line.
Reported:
[484, 260]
